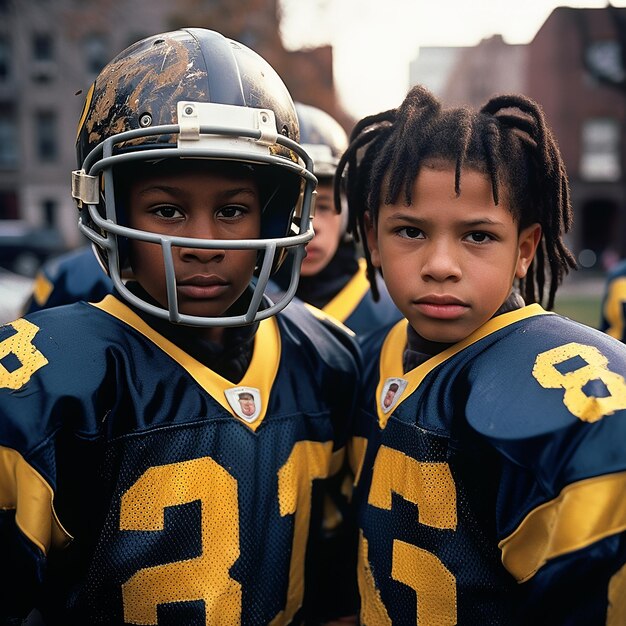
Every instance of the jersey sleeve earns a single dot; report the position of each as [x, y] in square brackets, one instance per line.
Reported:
[556, 415]
[41, 386]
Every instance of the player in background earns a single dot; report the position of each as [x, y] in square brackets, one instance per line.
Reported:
[333, 275]
[613, 312]
[71, 277]
[490, 489]
[134, 487]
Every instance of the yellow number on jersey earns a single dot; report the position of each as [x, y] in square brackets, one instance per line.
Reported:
[586, 408]
[20, 345]
[431, 487]
[206, 577]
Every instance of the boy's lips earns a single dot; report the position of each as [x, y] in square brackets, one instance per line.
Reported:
[202, 287]
[312, 253]
[443, 307]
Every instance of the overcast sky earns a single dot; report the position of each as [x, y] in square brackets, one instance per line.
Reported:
[374, 40]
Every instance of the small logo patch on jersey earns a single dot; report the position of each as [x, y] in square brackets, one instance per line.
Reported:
[391, 392]
[245, 402]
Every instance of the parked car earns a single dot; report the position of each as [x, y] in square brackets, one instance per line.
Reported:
[24, 247]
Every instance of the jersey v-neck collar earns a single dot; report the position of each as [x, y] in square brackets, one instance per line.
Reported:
[259, 377]
[395, 343]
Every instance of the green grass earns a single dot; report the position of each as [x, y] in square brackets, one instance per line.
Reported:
[582, 308]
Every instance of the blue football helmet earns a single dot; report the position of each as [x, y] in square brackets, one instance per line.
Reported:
[193, 93]
[322, 137]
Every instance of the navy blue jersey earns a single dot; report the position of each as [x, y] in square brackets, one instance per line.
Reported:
[491, 479]
[355, 307]
[613, 318]
[139, 487]
[69, 278]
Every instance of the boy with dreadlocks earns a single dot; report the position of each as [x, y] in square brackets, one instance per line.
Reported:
[490, 489]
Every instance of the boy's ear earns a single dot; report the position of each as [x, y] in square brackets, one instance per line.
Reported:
[372, 239]
[528, 241]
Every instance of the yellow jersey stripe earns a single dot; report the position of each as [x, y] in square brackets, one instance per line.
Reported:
[24, 489]
[583, 513]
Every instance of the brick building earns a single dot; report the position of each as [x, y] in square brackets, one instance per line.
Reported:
[588, 118]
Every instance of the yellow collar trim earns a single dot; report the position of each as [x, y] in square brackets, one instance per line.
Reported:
[395, 343]
[344, 303]
[260, 375]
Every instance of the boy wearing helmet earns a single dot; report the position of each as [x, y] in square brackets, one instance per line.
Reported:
[332, 276]
[134, 489]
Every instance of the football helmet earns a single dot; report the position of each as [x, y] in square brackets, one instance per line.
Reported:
[322, 137]
[193, 93]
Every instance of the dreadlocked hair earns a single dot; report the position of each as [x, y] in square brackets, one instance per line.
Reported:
[507, 139]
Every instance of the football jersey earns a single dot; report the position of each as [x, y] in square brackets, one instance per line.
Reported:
[137, 486]
[69, 278]
[355, 307]
[491, 479]
[613, 318]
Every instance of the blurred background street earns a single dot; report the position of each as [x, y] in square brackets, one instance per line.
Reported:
[580, 297]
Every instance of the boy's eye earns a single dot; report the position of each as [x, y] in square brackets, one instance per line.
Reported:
[231, 211]
[325, 209]
[479, 237]
[167, 212]
[409, 232]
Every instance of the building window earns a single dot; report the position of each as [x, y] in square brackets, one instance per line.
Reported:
[43, 47]
[600, 160]
[5, 59]
[8, 205]
[43, 68]
[604, 60]
[46, 128]
[8, 138]
[96, 54]
[49, 210]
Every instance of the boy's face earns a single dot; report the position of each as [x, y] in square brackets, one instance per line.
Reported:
[247, 404]
[449, 262]
[201, 202]
[327, 225]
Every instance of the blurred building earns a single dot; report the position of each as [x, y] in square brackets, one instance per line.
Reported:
[575, 68]
[469, 75]
[51, 51]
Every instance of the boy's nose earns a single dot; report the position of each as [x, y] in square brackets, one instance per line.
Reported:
[202, 229]
[204, 255]
[441, 262]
